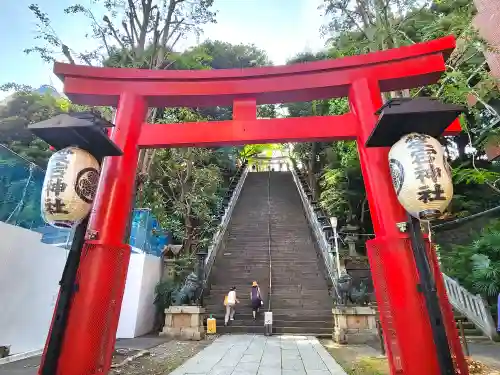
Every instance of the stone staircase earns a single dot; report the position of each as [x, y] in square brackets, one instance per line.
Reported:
[300, 298]
[300, 301]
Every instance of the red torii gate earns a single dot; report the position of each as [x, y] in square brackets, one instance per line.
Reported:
[93, 317]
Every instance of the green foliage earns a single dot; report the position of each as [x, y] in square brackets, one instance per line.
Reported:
[342, 186]
[130, 34]
[476, 265]
[21, 110]
[250, 151]
[25, 108]
[227, 56]
[475, 176]
[184, 187]
[364, 26]
[165, 292]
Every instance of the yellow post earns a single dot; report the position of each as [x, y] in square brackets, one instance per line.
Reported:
[211, 326]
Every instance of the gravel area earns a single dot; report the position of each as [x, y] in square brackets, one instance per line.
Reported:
[160, 360]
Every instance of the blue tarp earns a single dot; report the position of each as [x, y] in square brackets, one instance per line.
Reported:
[20, 189]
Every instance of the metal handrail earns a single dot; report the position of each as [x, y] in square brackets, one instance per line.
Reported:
[474, 307]
[317, 230]
[219, 235]
[269, 294]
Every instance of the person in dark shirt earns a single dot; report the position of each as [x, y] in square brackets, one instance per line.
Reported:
[256, 299]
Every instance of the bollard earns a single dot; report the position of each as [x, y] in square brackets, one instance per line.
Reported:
[211, 326]
[268, 323]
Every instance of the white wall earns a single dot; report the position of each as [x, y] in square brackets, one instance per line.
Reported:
[138, 311]
[29, 284]
[128, 314]
[146, 310]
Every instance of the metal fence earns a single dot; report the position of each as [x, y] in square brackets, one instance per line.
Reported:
[20, 191]
[20, 187]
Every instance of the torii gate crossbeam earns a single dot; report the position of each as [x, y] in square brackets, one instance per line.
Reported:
[93, 318]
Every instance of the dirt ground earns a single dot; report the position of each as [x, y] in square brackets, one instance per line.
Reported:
[365, 360]
[160, 360]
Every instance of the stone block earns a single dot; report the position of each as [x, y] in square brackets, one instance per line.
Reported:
[357, 321]
[354, 324]
[184, 322]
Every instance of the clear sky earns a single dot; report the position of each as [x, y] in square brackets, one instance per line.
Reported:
[281, 27]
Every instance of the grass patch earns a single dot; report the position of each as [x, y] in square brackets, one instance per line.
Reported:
[369, 366]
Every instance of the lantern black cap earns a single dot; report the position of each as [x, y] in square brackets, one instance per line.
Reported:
[85, 130]
[401, 116]
[203, 251]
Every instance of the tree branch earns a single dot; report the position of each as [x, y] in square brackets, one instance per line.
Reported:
[133, 13]
[143, 29]
[67, 53]
[114, 32]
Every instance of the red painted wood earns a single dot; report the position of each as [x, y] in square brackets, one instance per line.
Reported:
[234, 132]
[245, 109]
[412, 66]
[438, 46]
[93, 319]
[213, 133]
[408, 314]
[94, 316]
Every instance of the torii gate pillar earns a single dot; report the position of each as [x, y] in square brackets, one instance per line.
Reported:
[93, 318]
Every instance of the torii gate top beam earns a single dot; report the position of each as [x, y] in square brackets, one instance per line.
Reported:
[406, 67]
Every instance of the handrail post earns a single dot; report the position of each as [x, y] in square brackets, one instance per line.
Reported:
[269, 238]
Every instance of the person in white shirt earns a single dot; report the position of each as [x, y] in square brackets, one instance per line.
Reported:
[231, 302]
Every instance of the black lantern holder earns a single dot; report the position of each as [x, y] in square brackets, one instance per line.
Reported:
[401, 116]
[87, 131]
[398, 117]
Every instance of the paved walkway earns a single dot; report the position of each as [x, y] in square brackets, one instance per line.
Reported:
[260, 355]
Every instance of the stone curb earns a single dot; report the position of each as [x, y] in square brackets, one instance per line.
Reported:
[20, 356]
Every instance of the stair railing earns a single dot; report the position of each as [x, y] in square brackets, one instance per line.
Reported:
[317, 229]
[474, 307]
[269, 294]
[219, 236]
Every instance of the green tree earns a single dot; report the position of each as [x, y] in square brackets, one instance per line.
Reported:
[476, 265]
[361, 26]
[184, 188]
[131, 33]
[21, 110]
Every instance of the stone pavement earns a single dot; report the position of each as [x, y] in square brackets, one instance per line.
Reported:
[260, 355]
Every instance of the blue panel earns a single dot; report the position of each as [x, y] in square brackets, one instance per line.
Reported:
[20, 189]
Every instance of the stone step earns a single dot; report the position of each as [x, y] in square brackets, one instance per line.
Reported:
[248, 321]
[318, 332]
[246, 315]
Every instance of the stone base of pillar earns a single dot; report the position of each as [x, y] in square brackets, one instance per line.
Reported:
[184, 323]
[354, 324]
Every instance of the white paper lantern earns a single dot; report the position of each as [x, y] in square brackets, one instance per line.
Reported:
[69, 187]
[421, 175]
